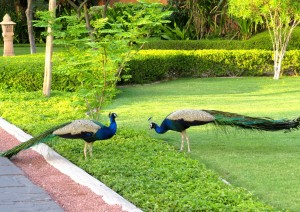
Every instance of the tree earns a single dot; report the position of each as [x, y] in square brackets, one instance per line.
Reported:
[280, 16]
[106, 4]
[49, 51]
[99, 62]
[30, 27]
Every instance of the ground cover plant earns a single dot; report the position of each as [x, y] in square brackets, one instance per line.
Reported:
[137, 164]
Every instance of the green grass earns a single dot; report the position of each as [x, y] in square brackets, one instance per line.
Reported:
[24, 49]
[265, 163]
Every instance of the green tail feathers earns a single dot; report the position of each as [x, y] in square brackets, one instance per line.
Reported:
[42, 138]
[256, 123]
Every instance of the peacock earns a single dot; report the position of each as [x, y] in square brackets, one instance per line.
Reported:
[88, 130]
[181, 120]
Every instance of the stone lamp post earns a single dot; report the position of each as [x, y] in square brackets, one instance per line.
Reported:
[8, 35]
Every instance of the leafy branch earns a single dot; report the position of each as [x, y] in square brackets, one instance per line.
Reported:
[100, 62]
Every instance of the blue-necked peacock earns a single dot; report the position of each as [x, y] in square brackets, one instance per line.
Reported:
[181, 120]
[88, 130]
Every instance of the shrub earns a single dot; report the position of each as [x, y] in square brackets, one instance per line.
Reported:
[156, 177]
[152, 65]
[259, 41]
[21, 72]
[26, 73]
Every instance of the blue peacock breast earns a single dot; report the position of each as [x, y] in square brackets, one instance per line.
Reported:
[176, 125]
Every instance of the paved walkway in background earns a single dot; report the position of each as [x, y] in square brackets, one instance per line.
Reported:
[18, 193]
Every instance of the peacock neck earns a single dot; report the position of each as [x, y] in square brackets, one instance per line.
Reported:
[160, 129]
[113, 125]
[107, 132]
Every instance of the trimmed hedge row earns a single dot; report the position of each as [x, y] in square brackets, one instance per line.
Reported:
[259, 41]
[153, 65]
[26, 72]
[208, 44]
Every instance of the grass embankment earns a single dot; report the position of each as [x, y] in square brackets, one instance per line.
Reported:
[154, 175]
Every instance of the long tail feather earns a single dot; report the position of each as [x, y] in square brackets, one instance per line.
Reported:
[256, 123]
[42, 138]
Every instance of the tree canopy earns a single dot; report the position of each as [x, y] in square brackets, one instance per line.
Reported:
[280, 16]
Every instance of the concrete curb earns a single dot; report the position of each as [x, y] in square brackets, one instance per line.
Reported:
[75, 173]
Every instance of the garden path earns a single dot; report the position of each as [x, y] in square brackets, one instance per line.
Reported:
[58, 191]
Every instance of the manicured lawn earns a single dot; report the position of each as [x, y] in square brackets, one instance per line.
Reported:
[25, 49]
[265, 163]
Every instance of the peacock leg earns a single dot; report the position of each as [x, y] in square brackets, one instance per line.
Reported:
[84, 150]
[91, 149]
[188, 142]
[182, 140]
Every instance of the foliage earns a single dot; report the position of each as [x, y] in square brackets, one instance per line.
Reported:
[155, 177]
[142, 20]
[25, 73]
[16, 10]
[281, 18]
[258, 41]
[34, 113]
[99, 56]
[155, 65]
[203, 44]
[208, 19]
[174, 33]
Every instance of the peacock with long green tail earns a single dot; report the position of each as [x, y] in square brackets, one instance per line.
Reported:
[88, 130]
[181, 120]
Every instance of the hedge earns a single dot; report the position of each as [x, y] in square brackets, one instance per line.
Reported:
[259, 41]
[26, 72]
[153, 65]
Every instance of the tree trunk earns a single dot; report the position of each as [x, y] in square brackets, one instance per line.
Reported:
[87, 18]
[282, 32]
[105, 8]
[87, 22]
[277, 66]
[30, 27]
[48, 55]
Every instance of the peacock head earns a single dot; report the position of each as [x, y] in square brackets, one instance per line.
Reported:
[112, 115]
[152, 124]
